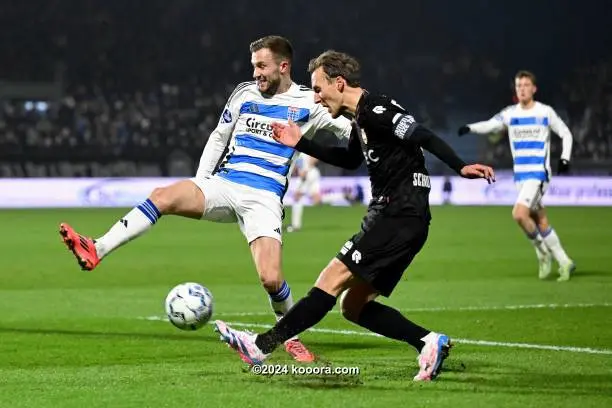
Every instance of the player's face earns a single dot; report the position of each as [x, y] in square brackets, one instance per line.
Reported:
[326, 92]
[267, 70]
[525, 89]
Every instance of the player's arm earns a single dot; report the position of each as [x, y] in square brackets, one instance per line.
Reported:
[560, 128]
[347, 157]
[495, 124]
[320, 119]
[220, 136]
[407, 129]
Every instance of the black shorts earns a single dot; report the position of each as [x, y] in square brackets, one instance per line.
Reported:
[383, 249]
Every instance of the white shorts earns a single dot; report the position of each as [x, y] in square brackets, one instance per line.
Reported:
[258, 213]
[311, 185]
[531, 193]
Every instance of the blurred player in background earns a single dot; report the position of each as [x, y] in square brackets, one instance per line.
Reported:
[308, 185]
[529, 124]
[355, 195]
[447, 190]
[250, 182]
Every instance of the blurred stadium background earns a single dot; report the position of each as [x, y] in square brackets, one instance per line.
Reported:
[91, 88]
[95, 89]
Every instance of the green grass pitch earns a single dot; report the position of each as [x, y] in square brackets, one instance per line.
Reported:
[82, 339]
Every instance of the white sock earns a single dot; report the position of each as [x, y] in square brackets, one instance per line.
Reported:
[281, 301]
[538, 243]
[554, 244]
[135, 223]
[296, 214]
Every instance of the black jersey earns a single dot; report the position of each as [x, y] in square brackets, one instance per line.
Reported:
[396, 165]
[391, 141]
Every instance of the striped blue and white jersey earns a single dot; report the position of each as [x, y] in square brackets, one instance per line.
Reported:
[254, 158]
[529, 134]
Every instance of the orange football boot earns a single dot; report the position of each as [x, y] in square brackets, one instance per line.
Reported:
[83, 248]
[294, 347]
[298, 351]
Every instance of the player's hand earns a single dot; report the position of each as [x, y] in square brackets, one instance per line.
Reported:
[463, 130]
[289, 134]
[474, 171]
[564, 167]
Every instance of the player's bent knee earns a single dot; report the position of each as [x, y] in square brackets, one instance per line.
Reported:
[161, 200]
[271, 281]
[520, 213]
[183, 198]
[335, 278]
[354, 299]
[350, 311]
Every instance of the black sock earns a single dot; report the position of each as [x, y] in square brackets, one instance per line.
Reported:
[390, 323]
[310, 310]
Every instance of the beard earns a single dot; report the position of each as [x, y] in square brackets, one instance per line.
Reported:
[272, 85]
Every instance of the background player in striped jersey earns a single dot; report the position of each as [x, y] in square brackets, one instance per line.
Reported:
[250, 182]
[529, 123]
[308, 185]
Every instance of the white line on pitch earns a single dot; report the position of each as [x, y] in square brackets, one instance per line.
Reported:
[461, 308]
[586, 350]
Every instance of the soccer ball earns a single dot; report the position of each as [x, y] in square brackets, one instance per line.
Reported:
[189, 306]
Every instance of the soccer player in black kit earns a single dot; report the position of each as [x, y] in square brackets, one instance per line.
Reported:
[394, 230]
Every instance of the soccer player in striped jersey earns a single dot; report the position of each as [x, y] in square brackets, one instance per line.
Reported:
[250, 182]
[529, 124]
[308, 184]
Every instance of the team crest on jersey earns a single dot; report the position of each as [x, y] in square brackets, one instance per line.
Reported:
[293, 114]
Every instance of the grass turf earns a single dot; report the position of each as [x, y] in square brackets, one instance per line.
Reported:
[72, 339]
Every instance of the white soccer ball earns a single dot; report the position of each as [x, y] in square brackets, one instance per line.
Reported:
[189, 306]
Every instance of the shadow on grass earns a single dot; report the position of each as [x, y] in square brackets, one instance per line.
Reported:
[580, 273]
[458, 378]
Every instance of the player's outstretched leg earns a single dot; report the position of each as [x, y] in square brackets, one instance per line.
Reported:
[552, 241]
[266, 253]
[522, 215]
[307, 312]
[358, 306]
[182, 198]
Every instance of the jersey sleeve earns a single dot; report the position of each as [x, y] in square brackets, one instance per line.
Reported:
[387, 115]
[220, 136]
[496, 124]
[390, 116]
[346, 157]
[558, 126]
[320, 119]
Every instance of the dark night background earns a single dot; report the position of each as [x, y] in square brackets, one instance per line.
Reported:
[135, 87]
